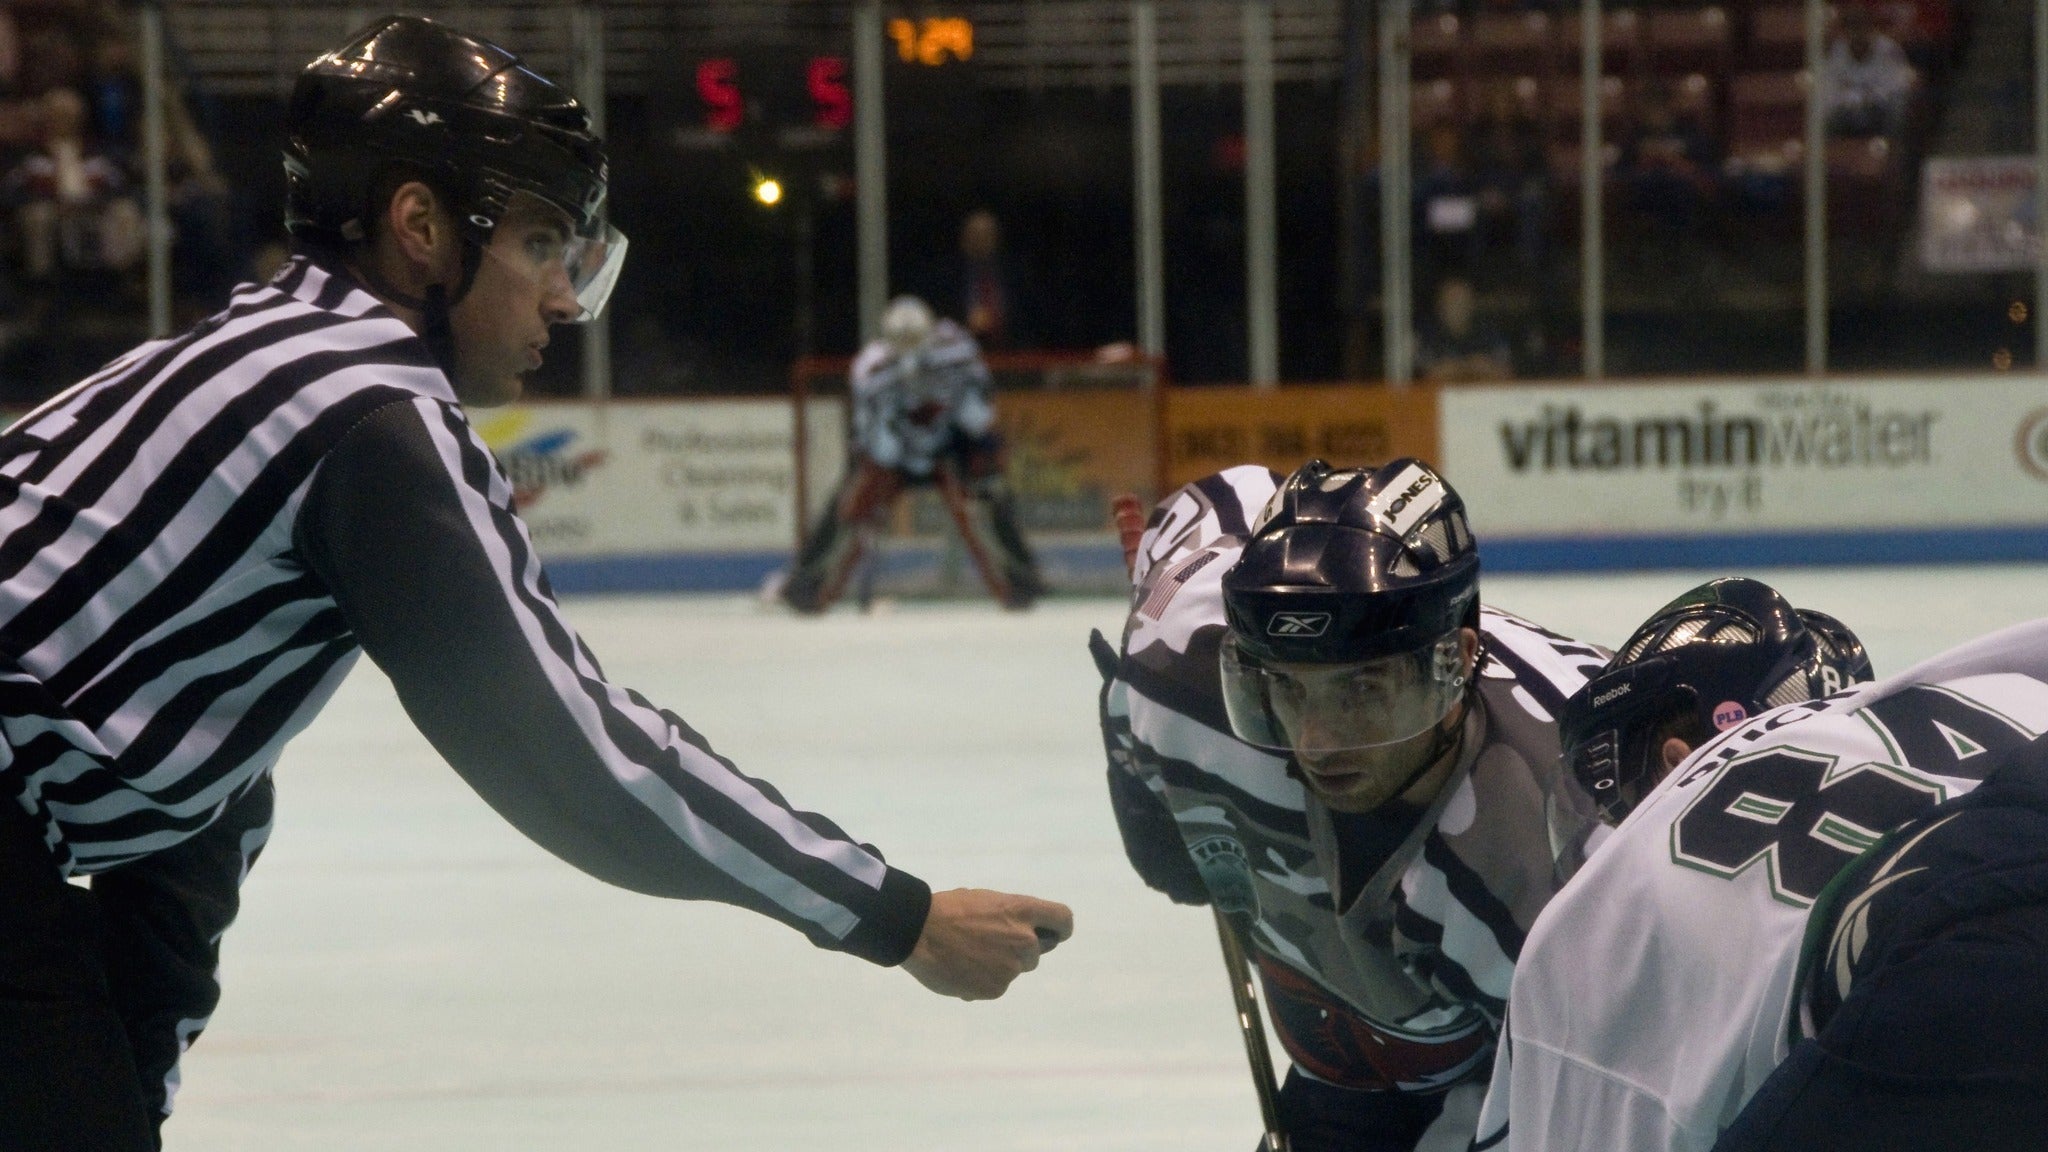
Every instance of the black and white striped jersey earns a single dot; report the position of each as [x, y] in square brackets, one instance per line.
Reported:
[197, 541]
[1386, 950]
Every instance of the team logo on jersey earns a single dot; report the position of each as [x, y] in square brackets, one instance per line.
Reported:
[1727, 714]
[1227, 872]
[1298, 624]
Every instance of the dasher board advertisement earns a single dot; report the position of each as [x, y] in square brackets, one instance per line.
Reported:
[1878, 469]
[646, 478]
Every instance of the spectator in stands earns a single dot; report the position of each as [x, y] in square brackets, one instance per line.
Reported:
[1868, 79]
[1447, 196]
[1514, 182]
[210, 253]
[51, 58]
[1667, 166]
[984, 287]
[1455, 348]
[73, 199]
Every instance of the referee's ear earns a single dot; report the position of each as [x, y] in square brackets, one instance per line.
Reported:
[420, 234]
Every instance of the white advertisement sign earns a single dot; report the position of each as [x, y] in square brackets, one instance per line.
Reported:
[641, 478]
[1977, 214]
[1729, 457]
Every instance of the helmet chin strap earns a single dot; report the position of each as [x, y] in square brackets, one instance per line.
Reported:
[1449, 737]
[434, 305]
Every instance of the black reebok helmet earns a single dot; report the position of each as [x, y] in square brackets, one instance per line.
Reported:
[466, 115]
[1374, 571]
[1728, 650]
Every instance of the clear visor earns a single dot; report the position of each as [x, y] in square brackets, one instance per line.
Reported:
[534, 239]
[1574, 823]
[1313, 708]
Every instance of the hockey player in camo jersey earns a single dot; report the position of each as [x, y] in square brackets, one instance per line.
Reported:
[1314, 725]
[1743, 964]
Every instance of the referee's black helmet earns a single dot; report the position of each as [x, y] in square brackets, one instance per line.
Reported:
[411, 95]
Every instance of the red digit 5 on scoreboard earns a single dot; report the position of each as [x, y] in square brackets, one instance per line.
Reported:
[718, 86]
[825, 77]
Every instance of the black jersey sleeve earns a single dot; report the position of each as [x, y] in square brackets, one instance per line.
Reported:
[409, 523]
[161, 922]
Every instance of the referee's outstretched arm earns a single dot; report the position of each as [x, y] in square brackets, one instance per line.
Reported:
[409, 524]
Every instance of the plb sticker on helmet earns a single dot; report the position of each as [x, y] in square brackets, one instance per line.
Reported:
[1727, 714]
[1414, 494]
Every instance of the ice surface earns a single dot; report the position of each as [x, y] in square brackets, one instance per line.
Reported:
[409, 973]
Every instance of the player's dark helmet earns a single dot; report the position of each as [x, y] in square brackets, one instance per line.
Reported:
[1728, 650]
[1352, 567]
[456, 111]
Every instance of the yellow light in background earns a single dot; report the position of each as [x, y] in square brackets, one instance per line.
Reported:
[768, 190]
[932, 40]
[946, 35]
[2018, 312]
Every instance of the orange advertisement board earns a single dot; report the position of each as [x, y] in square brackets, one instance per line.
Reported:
[1209, 429]
[1070, 451]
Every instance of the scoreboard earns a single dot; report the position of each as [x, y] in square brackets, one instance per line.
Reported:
[804, 99]
[779, 91]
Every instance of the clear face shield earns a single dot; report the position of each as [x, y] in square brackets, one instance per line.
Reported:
[1574, 823]
[1592, 794]
[1325, 708]
[534, 239]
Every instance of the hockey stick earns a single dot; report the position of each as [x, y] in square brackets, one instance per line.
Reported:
[1252, 1023]
[1129, 516]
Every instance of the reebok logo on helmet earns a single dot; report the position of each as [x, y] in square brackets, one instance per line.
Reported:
[1302, 624]
[1615, 693]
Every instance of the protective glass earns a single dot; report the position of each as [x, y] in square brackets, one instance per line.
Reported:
[1315, 708]
[586, 265]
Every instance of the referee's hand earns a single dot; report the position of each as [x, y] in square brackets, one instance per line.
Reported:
[976, 941]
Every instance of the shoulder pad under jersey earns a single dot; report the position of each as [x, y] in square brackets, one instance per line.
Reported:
[1202, 512]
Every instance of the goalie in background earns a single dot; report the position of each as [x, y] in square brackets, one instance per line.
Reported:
[922, 415]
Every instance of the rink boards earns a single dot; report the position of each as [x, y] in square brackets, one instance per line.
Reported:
[1692, 473]
[683, 494]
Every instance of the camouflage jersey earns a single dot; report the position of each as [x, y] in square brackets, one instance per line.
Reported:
[1385, 949]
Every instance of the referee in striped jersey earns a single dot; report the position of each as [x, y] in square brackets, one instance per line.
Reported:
[197, 541]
